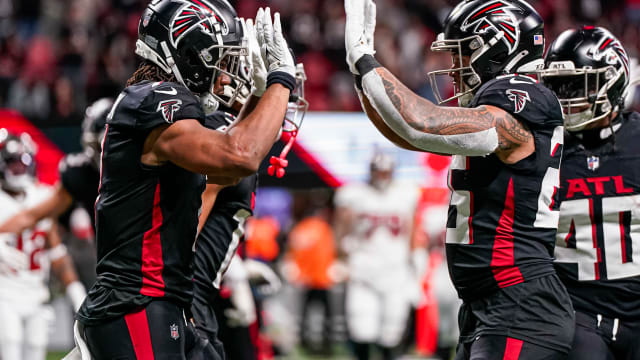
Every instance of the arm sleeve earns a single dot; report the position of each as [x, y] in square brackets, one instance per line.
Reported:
[471, 144]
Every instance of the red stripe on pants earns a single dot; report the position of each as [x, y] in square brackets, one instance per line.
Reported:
[512, 350]
[140, 335]
[152, 263]
[502, 259]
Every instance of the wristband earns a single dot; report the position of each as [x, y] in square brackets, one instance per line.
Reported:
[282, 78]
[366, 63]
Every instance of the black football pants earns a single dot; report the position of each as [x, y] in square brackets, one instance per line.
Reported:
[600, 338]
[156, 332]
[497, 347]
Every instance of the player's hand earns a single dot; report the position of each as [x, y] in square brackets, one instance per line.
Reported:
[274, 49]
[11, 259]
[266, 280]
[358, 32]
[258, 69]
[243, 312]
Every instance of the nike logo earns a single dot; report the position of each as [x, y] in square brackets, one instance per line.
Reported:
[514, 81]
[167, 92]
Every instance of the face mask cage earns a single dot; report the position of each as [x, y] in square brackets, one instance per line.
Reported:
[242, 95]
[298, 105]
[229, 62]
[469, 79]
[582, 93]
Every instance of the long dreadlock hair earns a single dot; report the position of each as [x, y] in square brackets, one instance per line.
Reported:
[150, 71]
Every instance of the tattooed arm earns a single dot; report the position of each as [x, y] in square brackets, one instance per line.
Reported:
[425, 126]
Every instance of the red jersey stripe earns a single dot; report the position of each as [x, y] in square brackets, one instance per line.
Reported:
[470, 220]
[512, 349]
[138, 327]
[502, 259]
[152, 263]
[623, 244]
[596, 265]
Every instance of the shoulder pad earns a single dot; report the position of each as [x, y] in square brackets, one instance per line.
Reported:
[219, 120]
[146, 105]
[522, 97]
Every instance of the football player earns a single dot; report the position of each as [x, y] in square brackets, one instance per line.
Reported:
[597, 249]
[154, 152]
[506, 140]
[26, 257]
[373, 224]
[79, 175]
[222, 226]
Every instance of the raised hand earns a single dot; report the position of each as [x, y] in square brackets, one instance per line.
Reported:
[274, 49]
[258, 68]
[359, 29]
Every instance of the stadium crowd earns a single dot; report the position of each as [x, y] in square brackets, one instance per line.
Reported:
[58, 56]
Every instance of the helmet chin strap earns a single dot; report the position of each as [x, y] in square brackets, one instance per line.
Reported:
[578, 121]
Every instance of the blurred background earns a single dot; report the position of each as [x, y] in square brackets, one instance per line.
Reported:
[58, 56]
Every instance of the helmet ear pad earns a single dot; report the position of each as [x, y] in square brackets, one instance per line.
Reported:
[195, 73]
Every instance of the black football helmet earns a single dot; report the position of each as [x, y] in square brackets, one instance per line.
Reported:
[499, 36]
[17, 161]
[588, 70]
[93, 128]
[195, 40]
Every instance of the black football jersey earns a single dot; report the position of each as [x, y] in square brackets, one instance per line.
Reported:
[146, 216]
[224, 228]
[598, 242]
[80, 178]
[502, 218]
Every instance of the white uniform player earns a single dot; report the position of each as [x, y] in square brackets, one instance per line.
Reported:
[26, 258]
[23, 292]
[374, 225]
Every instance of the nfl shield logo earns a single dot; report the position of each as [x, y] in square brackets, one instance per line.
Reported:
[593, 163]
[173, 329]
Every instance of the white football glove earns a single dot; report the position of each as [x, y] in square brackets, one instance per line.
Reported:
[11, 259]
[259, 272]
[258, 69]
[274, 49]
[243, 312]
[358, 32]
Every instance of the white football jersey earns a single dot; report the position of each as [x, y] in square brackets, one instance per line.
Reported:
[379, 242]
[26, 285]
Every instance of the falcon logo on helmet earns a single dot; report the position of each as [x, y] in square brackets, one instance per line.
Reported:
[497, 15]
[519, 98]
[192, 16]
[168, 108]
[613, 53]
